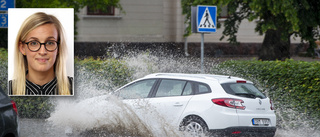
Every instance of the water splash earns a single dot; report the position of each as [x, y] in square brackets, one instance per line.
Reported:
[145, 63]
[294, 124]
[99, 115]
[93, 112]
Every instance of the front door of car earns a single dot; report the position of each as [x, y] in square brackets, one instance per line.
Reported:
[171, 98]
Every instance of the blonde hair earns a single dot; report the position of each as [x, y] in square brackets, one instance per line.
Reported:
[21, 64]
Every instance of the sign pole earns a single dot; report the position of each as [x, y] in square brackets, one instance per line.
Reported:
[202, 52]
[203, 20]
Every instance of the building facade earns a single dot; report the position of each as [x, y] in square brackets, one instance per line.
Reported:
[152, 21]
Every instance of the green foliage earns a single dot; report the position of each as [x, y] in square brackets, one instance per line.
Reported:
[41, 4]
[298, 17]
[33, 107]
[113, 70]
[3, 68]
[292, 84]
[101, 4]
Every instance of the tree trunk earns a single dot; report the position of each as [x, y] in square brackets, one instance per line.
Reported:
[273, 47]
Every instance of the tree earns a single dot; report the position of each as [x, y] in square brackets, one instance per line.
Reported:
[278, 20]
[75, 4]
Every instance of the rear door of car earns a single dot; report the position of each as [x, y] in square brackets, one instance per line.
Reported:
[170, 98]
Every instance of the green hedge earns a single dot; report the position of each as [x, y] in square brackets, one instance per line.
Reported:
[3, 68]
[291, 84]
[115, 71]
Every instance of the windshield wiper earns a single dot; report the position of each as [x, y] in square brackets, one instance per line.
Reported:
[247, 95]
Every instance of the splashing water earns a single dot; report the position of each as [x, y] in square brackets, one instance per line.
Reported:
[102, 113]
[144, 64]
[294, 124]
[92, 112]
[106, 115]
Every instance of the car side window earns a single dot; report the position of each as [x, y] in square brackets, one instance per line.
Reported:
[187, 89]
[169, 87]
[202, 88]
[139, 89]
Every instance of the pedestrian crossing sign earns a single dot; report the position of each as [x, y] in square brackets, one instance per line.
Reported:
[206, 18]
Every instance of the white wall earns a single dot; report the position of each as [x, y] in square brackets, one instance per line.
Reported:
[142, 21]
[151, 21]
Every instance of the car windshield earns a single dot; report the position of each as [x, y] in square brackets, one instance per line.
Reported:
[243, 89]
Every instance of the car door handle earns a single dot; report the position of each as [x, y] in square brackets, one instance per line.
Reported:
[177, 104]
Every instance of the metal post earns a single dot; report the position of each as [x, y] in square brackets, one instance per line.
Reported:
[202, 50]
[186, 47]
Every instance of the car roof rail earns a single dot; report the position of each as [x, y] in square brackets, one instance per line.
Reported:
[221, 78]
[200, 76]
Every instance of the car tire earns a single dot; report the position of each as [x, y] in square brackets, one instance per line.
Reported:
[194, 126]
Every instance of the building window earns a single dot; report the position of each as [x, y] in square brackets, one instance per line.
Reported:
[109, 10]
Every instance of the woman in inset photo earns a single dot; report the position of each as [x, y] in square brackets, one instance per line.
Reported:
[40, 58]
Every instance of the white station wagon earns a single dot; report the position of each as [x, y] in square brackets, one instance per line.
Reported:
[204, 104]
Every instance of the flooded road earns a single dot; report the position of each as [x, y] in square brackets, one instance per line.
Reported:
[43, 128]
[39, 128]
[91, 113]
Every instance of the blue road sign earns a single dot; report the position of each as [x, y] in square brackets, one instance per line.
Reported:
[206, 18]
[3, 20]
[5, 4]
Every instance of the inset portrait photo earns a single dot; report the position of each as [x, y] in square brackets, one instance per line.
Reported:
[41, 51]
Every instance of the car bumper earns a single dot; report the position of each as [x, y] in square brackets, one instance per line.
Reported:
[244, 131]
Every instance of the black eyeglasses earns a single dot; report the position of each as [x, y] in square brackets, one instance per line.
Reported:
[34, 45]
